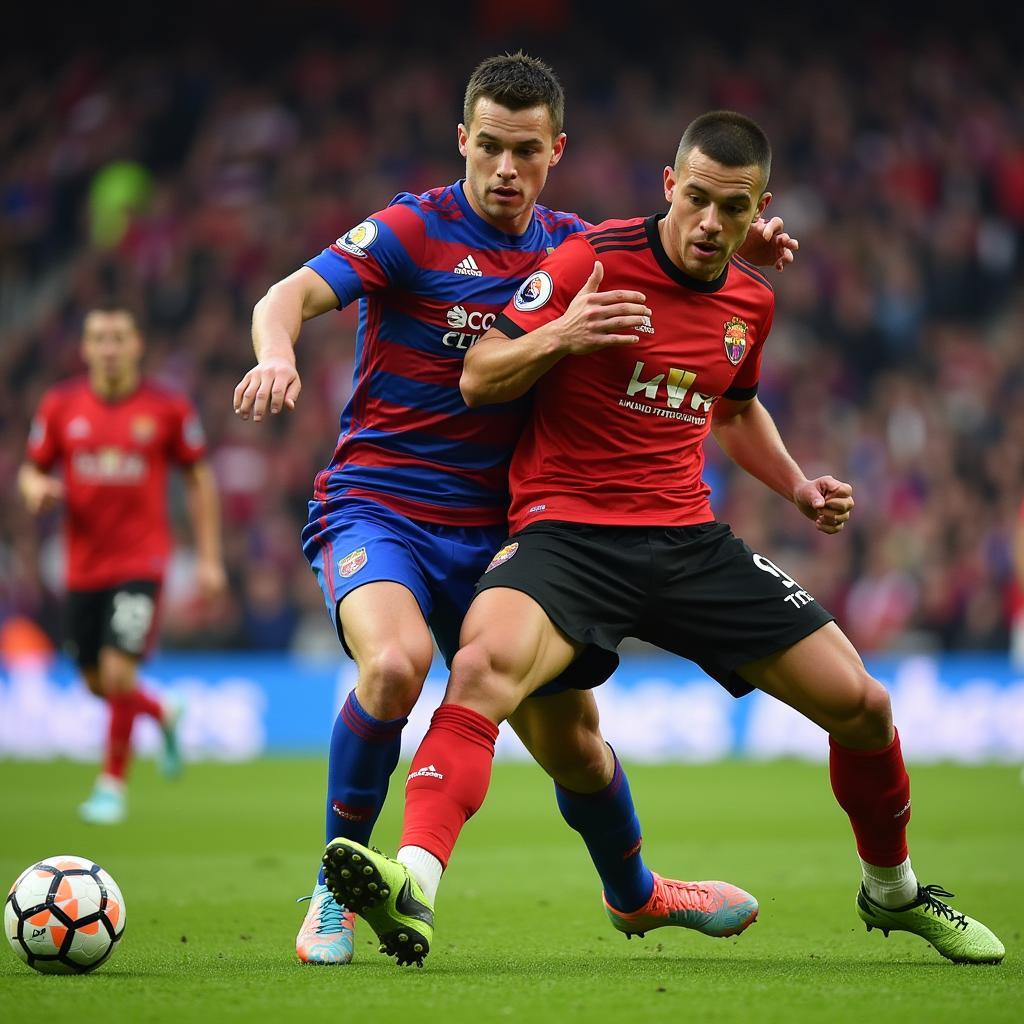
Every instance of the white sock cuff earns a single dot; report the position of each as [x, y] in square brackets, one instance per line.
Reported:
[424, 867]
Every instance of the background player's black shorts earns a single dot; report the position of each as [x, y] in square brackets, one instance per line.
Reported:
[123, 617]
[695, 591]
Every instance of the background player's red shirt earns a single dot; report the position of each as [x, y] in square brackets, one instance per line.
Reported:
[616, 437]
[114, 458]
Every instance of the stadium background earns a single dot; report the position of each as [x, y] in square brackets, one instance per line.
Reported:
[186, 161]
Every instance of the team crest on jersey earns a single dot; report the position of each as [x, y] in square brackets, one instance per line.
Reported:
[79, 427]
[143, 429]
[534, 292]
[735, 339]
[352, 563]
[359, 239]
[503, 555]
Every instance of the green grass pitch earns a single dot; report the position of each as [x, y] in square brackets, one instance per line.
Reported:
[210, 867]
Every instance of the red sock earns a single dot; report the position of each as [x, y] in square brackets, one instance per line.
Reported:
[146, 704]
[873, 787]
[448, 780]
[119, 736]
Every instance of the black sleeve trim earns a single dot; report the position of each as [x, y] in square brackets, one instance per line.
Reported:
[741, 394]
[508, 327]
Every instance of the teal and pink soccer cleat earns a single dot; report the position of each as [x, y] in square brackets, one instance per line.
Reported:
[713, 908]
[327, 932]
[957, 937]
[382, 892]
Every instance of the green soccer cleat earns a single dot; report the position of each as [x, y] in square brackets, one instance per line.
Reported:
[957, 937]
[382, 892]
[170, 760]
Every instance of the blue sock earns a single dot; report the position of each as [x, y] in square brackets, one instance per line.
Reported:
[364, 753]
[609, 826]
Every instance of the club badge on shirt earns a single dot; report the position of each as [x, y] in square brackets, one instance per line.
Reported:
[735, 339]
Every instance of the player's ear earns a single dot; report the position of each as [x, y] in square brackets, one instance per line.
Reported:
[669, 179]
[557, 150]
[463, 140]
[762, 203]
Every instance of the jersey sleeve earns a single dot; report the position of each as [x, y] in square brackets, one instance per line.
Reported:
[43, 448]
[546, 293]
[744, 385]
[383, 251]
[187, 440]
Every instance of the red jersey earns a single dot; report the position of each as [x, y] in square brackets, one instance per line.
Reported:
[114, 458]
[616, 436]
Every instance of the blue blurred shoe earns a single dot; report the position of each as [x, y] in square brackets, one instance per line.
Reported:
[106, 804]
[170, 760]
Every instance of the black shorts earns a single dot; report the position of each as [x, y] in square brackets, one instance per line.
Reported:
[695, 591]
[123, 617]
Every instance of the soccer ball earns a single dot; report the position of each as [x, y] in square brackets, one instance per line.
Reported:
[64, 915]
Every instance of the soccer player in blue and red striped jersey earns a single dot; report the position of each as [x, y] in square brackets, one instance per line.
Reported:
[414, 502]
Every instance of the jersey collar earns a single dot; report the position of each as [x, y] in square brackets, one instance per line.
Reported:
[502, 237]
[677, 275]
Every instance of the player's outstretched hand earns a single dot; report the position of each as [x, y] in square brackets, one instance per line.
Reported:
[826, 500]
[211, 579]
[768, 245]
[270, 386]
[595, 319]
[42, 492]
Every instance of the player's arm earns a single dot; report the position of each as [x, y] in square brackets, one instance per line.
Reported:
[204, 513]
[497, 371]
[273, 383]
[39, 490]
[747, 433]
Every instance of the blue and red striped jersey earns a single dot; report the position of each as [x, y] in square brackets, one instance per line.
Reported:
[430, 276]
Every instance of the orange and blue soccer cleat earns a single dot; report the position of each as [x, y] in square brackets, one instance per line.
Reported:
[713, 908]
[327, 931]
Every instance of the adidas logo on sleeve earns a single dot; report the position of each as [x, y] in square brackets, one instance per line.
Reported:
[468, 267]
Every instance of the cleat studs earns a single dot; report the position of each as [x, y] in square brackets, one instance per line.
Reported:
[385, 892]
[885, 932]
[356, 859]
[868, 926]
[629, 935]
[418, 948]
[367, 870]
[641, 934]
[403, 937]
[372, 887]
[345, 873]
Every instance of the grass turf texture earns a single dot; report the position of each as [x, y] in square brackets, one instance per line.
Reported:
[210, 867]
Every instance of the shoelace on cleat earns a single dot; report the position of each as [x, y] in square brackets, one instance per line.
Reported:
[689, 889]
[929, 898]
[330, 919]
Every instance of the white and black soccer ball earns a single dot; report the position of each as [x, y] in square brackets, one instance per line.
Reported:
[64, 915]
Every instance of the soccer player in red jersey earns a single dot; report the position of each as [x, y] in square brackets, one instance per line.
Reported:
[613, 535]
[102, 444]
[413, 505]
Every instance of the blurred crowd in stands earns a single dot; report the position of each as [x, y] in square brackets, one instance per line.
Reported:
[188, 180]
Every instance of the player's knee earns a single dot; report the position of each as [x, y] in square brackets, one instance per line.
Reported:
[480, 681]
[116, 676]
[868, 725]
[390, 681]
[92, 679]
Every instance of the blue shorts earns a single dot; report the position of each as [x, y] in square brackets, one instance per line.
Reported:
[365, 542]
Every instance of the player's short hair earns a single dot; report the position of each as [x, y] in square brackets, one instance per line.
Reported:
[517, 81]
[728, 138]
[113, 306]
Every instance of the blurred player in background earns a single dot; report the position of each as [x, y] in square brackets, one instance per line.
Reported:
[102, 444]
[1017, 593]
[613, 536]
[414, 502]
